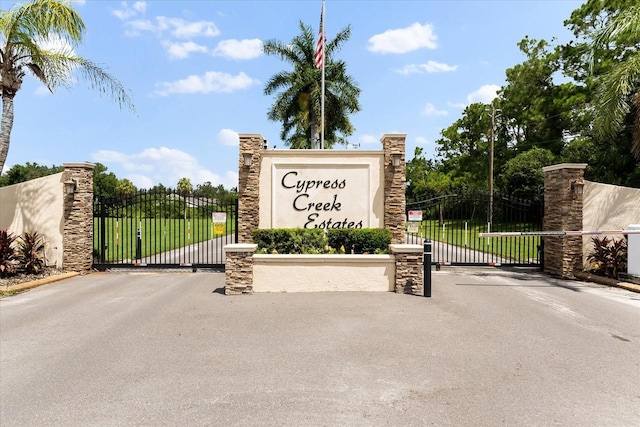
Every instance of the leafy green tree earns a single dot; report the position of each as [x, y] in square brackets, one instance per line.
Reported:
[522, 176]
[424, 178]
[464, 148]
[184, 187]
[21, 173]
[299, 94]
[125, 188]
[104, 184]
[618, 93]
[24, 30]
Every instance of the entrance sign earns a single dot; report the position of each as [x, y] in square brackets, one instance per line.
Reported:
[342, 189]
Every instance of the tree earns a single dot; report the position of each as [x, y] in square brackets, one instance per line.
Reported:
[184, 188]
[618, 93]
[299, 95]
[522, 176]
[104, 184]
[27, 172]
[24, 30]
[125, 188]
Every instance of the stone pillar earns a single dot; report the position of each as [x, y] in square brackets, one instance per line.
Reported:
[239, 268]
[249, 186]
[77, 234]
[563, 200]
[394, 186]
[409, 268]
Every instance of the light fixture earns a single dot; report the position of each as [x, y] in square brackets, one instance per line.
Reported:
[70, 186]
[395, 159]
[248, 158]
[577, 186]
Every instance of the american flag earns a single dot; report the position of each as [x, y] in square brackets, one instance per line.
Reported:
[319, 55]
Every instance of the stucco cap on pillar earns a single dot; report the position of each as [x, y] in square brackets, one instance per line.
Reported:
[400, 248]
[564, 166]
[84, 165]
[393, 135]
[240, 247]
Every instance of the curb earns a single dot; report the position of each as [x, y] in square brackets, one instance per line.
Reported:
[40, 282]
[607, 281]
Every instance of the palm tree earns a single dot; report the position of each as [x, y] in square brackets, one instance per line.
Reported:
[619, 89]
[24, 30]
[298, 102]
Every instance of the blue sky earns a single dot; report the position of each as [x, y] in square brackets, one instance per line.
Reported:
[197, 76]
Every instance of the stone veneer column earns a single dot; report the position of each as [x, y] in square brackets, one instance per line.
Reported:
[249, 186]
[394, 186]
[409, 268]
[77, 234]
[562, 212]
[239, 268]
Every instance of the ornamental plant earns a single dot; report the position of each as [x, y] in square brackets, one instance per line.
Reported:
[609, 257]
[8, 260]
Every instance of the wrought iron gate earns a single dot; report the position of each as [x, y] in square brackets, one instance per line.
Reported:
[162, 230]
[453, 223]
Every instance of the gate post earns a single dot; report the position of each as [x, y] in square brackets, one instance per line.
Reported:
[77, 236]
[563, 198]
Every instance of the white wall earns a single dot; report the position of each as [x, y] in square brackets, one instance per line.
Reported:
[608, 207]
[36, 206]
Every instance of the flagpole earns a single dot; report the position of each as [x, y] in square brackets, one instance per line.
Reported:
[324, 63]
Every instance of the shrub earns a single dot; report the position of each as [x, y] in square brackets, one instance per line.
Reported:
[30, 252]
[609, 257]
[360, 240]
[314, 241]
[290, 240]
[7, 254]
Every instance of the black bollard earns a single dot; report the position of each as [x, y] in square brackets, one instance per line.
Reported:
[426, 263]
[139, 245]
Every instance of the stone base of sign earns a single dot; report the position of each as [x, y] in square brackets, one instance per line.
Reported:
[247, 272]
[319, 273]
[409, 268]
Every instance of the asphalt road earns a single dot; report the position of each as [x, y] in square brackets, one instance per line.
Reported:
[490, 348]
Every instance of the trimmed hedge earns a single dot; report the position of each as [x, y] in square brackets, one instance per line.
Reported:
[314, 240]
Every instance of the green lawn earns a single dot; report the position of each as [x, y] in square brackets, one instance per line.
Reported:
[466, 234]
[157, 235]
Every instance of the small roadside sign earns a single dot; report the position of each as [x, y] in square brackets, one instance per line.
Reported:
[219, 222]
[415, 215]
[413, 226]
[219, 217]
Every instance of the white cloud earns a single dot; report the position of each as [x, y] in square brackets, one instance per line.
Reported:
[485, 94]
[239, 49]
[183, 30]
[456, 104]
[211, 81]
[127, 11]
[404, 40]
[368, 139]
[79, 2]
[176, 27]
[228, 137]
[182, 50]
[430, 110]
[428, 67]
[163, 165]
[421, 140]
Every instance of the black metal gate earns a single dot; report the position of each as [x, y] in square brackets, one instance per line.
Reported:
[453, 223]
[162, 230]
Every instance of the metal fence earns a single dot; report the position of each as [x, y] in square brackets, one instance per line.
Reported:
[162, 230]
[453, 223]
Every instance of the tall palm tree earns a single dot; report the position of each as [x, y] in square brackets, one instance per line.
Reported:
[24, 31]
[619, 89]
[298, 101]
